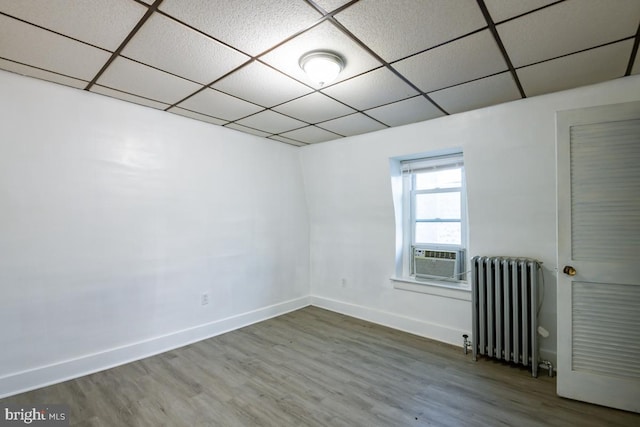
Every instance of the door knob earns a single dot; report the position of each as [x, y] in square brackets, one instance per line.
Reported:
[568, 270]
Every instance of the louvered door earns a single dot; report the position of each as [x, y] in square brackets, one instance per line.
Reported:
[599, 255]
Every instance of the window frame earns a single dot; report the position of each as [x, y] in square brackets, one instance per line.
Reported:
[408, 169]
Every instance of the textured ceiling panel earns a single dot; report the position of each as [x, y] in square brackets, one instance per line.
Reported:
[271, 122]
[197, 116]
[252, 26]
[314, 108]
[41, 74]
[262, 85]
[410, 25]
[568, 27]
[137, 79]
[287, 140]
[477, 94]
[217, 104]
[310, 135]
[323, 37]
[505, 9]
[100, 23]
[603, 63]
[354, 124]
[40, 48]
[465, 59]
[128, 97]
[411, 110]
[356, 92]
[235, 63]
[248, 130]
[331, 5]
[165, 44]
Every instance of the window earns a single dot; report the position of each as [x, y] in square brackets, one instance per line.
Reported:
[434, 217]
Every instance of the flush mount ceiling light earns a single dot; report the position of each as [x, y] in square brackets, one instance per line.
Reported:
[322, 67]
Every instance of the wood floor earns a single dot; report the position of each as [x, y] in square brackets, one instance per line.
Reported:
[313, 367]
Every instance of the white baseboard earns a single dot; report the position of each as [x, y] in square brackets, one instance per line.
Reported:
[31, 379]
[43, 376]
[429, 330]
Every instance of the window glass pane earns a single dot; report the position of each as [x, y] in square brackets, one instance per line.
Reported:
[447, 178]
[438, 205]
[438, 233]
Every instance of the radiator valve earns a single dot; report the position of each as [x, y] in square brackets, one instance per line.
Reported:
[547, 365]
[466, 343]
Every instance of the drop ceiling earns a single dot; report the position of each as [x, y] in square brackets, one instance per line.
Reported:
[234, 63]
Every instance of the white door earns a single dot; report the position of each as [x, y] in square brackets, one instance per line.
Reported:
[598, 169]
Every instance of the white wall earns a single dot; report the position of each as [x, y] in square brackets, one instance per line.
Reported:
[115, 218]
[509, 155]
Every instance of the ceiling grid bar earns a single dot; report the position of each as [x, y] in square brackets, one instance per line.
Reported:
[385, 63]
[503, 50]
[578, 51]
[529, 12]
[133, 32]
[634, 52]
[248, 53]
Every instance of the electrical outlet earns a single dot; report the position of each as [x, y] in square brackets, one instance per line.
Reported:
[204, 299]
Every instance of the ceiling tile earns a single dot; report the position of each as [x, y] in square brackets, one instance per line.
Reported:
[40, 48]
[331, 5]
[478, 93]
[314, 108]
[287, 141]
[505, 9]
[411, 110]
[370, 90]
[568, 27]
[396, 30]
[101, 23]
[131, 77]
[197, 116]
[270, 121]
[311, 134]
[170, 46]
[442, 47]
[25, 70]
[245, 129]
[323, 37]
[354, 124]
[252, 26]
[217, 104]
[457, 62]
[128, 97]
[262, 85]
[596, 65]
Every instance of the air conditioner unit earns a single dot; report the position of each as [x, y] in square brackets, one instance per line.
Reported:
[428, 263]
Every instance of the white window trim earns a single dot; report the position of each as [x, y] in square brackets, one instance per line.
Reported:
[404, 215]
[455, 290]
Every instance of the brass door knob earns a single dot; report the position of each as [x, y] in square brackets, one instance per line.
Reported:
[568, 270]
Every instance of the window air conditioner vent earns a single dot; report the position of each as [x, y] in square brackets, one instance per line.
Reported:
[429, 263]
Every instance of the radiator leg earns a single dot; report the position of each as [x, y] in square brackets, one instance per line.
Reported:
[547, 365]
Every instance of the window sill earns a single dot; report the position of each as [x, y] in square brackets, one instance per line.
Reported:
[458, 290]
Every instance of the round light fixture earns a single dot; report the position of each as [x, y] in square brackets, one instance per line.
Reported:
[322, 67]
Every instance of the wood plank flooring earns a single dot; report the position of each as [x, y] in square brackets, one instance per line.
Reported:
[313, 367]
